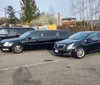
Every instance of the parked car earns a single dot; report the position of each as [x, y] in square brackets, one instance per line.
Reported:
[78, 44]
[31, 38]
[12, 32]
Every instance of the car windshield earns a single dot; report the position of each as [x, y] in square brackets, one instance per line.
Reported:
[79, 36]
[25, 35]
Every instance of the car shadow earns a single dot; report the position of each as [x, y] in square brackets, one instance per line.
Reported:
[38, 47]
[49, 48]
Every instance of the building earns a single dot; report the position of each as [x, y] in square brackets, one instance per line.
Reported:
[70, 22]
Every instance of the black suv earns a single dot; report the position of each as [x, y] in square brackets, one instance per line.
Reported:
[31, 38]
[12, 32]
[79, 44]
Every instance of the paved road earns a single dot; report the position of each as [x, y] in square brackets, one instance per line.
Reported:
[40, 67]
[10, 60]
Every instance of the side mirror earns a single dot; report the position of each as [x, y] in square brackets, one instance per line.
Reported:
[29, 38]
[89, 40]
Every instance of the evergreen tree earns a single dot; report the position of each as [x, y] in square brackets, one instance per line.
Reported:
[30, 10]
[11, 15]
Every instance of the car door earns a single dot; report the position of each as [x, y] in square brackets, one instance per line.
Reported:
[92, 42]
[48, 37]
[32, 39]
[63, 35]
[12, 33]
[4, 33]
[99, 39]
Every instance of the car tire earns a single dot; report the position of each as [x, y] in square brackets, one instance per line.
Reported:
[79, 53]
[17, 48]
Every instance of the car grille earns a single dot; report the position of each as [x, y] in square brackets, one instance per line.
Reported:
[59, 46]
[1, 44]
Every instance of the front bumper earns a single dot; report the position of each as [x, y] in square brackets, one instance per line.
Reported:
[64, 52]
[4, 48]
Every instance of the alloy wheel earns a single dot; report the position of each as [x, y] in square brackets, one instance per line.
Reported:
[80, 53]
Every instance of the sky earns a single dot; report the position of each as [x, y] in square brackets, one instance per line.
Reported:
[59, 6]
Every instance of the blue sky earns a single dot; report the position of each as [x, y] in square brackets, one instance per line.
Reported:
[62, 6]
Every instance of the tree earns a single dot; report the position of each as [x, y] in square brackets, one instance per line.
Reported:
[30, 10]
[44, 19]
[11, 15]
[2, 21]
[51, 11]
[88, 10]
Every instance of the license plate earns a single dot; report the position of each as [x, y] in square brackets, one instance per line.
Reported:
[5, 49]
[56, 51]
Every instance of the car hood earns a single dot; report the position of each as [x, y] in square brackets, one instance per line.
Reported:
[67, 41]
[11, 40]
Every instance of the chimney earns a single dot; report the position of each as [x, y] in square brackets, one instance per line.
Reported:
[59, 19]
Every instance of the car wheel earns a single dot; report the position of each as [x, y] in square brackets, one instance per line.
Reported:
[17, 48]
[79, 53]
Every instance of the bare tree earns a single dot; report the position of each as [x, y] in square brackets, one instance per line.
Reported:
[78, 9]
[51, 11]
[87, 10]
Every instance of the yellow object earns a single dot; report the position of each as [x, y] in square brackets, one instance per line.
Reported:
[52, 27]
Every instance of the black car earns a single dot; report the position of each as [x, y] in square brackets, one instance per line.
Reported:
[12, 32]
[32, 38]
[79, 44]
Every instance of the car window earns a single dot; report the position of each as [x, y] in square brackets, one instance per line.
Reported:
[3, 31]
[12, 32]
[93, 36]
[57, 34]
[79, 36]
[25, 35]
[21, 31]
[63, 34]
[49, 34]
[35, 35]
[98, 35]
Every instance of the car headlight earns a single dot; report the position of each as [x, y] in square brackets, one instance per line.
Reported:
[70, 46]
[8, 44]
